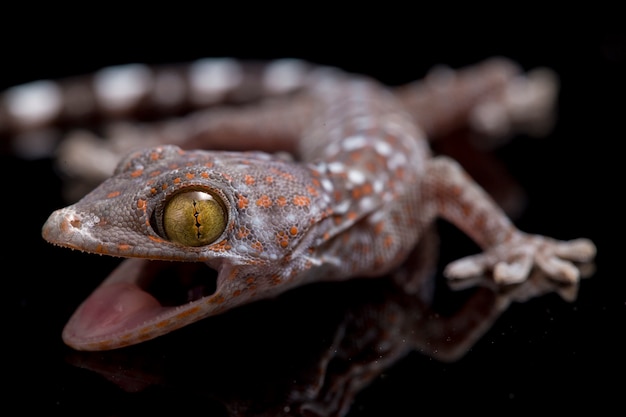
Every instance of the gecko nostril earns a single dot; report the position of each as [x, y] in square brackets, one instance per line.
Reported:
[75, 222]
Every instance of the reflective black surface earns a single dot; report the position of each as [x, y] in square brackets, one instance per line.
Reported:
[545, 353]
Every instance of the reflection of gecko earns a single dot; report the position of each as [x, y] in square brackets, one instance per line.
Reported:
[357, 198]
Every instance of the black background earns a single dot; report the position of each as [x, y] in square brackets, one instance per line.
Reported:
[544, 354]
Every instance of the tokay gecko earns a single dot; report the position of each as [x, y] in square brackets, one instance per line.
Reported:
[274, 175]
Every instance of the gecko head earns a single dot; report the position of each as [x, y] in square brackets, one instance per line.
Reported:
[231, 228]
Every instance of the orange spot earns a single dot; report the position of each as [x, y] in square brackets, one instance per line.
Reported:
[204, 174]
[264, 201]
[220, 246]
[311, 190]
[388, 241]
[163, 323]
[113, 194]
[156, 239]
[242, 202]
[466, 208]
[218, 299]
[276, 279]
[301, 200]
[479, 223]
[379, 227]
[190, 175]
[249, 179]
[269, 179]
[141, 204]
[227, 177]
[281, 201]
[283, 239]
[243, 232]
[352, 215]
[155, 156]
[258, 246]
[236, 293]
[101, 249]
[155, 173]
[209, 164]
[153, 190]
[233, 274]
[123, 247]
[65, 225]
[187, 312]
[164, 186]
[176, 180]
[136, 173]
[250, 280]
[293, 230]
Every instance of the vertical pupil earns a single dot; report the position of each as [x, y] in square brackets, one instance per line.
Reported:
[194, 218]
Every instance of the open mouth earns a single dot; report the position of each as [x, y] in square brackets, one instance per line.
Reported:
[142, 299]
[177, 283]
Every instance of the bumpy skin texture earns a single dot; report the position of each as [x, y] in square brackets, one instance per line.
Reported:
[361, 189]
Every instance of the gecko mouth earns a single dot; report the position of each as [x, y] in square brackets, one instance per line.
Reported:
[177, 283]
[140, 299]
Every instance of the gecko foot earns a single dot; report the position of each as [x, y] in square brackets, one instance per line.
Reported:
[512, 262]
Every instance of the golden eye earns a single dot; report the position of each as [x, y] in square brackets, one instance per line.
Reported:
[194, 218]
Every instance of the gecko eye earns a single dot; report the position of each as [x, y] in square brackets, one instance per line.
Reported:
[194, 218]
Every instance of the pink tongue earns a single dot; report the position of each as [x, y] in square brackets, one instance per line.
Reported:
[112, 308]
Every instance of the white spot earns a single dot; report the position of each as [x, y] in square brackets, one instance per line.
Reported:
[354, 142]
[212, 78]
[284, 75]
[377, 216]
[169, 88]
[336, 167]
[331, 150]
[367, 203]
[121, 86]
[356, 176]
[383, 148]
[34, 103]
[258, 223]
[396, 160]
[291, 218]
[378, 186]
[342, 207]
[327, 185]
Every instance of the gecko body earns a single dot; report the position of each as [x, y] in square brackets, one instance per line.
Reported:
[356, 195]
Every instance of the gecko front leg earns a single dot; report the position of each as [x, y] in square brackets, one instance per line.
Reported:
[508, 252]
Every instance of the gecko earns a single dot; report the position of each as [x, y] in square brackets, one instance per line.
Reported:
[289, 173]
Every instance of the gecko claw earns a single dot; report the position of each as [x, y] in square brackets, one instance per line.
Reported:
[512, 262]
